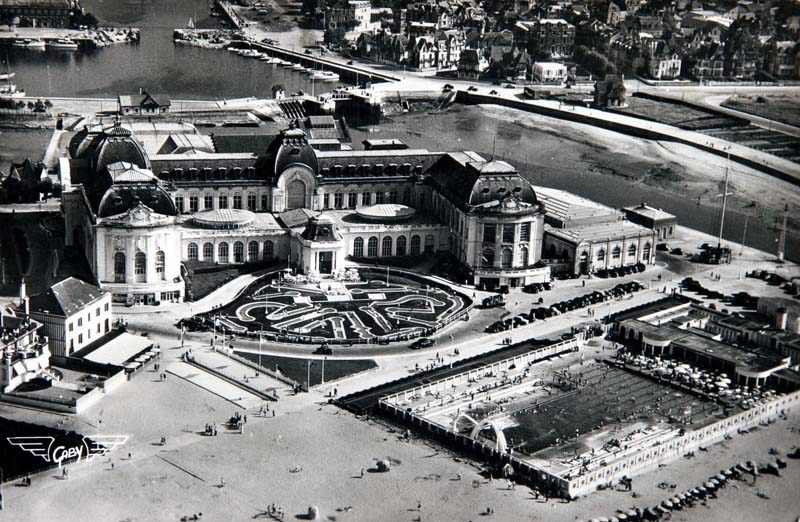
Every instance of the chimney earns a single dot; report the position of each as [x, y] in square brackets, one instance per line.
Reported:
[23, 295]
[781, 318]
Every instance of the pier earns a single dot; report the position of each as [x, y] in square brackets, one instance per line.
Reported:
[230, 14]
[86, 39]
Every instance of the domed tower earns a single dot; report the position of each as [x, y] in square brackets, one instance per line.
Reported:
[292, 165]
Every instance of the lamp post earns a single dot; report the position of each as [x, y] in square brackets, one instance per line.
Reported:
[2, 500]
[323, 370]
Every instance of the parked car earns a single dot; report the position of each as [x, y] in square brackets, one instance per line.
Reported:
[447, 87]
[324, 349]
[493, 92]
[422, 342]
[472, 88]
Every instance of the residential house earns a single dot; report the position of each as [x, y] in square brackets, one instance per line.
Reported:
[553, 36]
[781, 59]
[347, 19]
[73, 314]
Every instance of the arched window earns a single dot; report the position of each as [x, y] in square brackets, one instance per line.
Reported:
[269, 249]
[632, 251]
[616, 252]
[208, 202]
[179, 204]
[208, 252]
[523, 256]
[338, 199]
[194, 203]
[401, 245]
[646, 253]
[223, 201]
[160, 262]
[252, 251]
[487, 257]
[372, 247]
[506, 258]
[430, 244]
[601, 255]
[140, 267]
[251, 202]
[358, 247]
[295, 195]
[119, 267]
[386, 248]
[238, 252]
[222, 253]
[192, 252]
[415, 243]
[237, 200]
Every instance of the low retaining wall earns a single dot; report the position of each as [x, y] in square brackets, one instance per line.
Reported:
[220, 375]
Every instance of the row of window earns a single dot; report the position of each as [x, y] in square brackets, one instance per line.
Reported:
[71, 326]
[224, 200]
[139, 266]
[387, 243]
[223, 251]
[616, 252]
[506, 257]
[351, 199]
[508, 232]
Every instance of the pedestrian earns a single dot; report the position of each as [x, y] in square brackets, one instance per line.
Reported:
[112, 466]
[222, 482]
[362, 472]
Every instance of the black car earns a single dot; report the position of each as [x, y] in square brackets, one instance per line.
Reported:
[324, 349]
[493, 92]
[423, 342]
[472, 88]
[447, 87]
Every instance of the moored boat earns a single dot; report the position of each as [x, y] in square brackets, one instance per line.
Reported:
[30, 43]
[63, 44]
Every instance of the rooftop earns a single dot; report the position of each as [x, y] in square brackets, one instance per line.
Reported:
[66, 297]
[592, 232]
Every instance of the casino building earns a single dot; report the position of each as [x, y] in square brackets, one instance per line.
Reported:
[143, 199]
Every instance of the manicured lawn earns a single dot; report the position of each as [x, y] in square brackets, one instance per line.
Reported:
[783, 108]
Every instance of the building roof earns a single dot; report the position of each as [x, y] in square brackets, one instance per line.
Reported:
[654, 214]
[255, 144]
[471, 182]
[66, 297]
[297, 217]
[564, 209]
[145, 98]
[600, 232]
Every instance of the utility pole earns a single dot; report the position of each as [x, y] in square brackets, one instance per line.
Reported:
[782, 238]
[724, 201]
[744, 234]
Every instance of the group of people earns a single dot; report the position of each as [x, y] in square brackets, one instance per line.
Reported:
[211, 429]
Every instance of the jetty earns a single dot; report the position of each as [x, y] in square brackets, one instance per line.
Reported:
[86, 38]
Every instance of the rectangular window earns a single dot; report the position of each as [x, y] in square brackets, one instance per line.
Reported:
[326, 200]
[237, 201]
[366, 198]
[80, 338]
[379, 197]
[338, 200]
[525, 232]
[80, 322]
[193, 204]
[393, 197]
[489, 233]
[208, 202]
[251, 202]
[352, 200]
[71, 327]
[97, 312]
[105, 308]
[264, 202]
[508, 233]
[223, 201]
